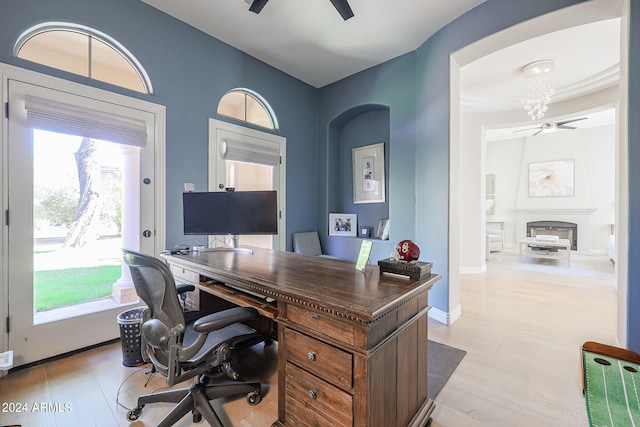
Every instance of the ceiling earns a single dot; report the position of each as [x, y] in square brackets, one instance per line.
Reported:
[587, 59]
[309, 40]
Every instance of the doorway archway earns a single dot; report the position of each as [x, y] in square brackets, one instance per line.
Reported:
[545, 24]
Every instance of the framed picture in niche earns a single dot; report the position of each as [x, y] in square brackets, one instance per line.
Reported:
[365, 231]
[368, 174]
[382, 226]
[343, 224]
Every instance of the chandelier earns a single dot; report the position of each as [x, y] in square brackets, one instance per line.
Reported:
[538, 90]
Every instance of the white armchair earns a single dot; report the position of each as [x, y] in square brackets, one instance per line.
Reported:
[495, 240]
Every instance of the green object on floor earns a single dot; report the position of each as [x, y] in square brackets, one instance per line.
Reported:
[612, 391]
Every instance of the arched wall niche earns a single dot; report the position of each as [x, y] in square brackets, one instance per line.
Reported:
[359, 126]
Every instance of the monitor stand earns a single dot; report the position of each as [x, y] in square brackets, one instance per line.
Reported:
[235, 248]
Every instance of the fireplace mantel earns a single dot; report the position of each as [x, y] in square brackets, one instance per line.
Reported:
[534, 211]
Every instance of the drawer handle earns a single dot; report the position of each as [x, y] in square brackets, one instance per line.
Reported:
[311, 355]
[315, 317]
[313, 394]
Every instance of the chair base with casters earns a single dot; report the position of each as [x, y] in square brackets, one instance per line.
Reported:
[196, 399]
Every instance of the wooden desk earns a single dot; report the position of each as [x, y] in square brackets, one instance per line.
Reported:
[352, 348]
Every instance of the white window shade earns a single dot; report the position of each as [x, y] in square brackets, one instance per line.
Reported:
[243, 151]
[59, 117]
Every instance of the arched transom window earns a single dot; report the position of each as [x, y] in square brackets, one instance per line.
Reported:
[248, 106]
[84, 51]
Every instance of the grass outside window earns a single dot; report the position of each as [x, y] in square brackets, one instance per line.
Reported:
[65, 287]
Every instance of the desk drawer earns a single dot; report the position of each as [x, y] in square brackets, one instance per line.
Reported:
[325, 361]
[183, 275]
[313, 402]
[334, 328]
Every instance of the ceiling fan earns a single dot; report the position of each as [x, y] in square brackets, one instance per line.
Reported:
[342, 6]
[551, 127]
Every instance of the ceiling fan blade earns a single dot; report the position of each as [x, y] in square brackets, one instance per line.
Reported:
[566, 127]
[537, 133]
[343, 8]
[564, 122]
[522, 130]
[257, 5]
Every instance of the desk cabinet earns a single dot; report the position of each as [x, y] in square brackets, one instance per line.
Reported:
[340, 372]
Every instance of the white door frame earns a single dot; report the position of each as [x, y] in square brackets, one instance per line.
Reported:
[216, 128]
[9, 72]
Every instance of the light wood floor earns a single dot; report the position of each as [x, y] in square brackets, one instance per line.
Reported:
[522, 331]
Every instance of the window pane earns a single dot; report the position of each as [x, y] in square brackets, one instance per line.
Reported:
[70, 47]
[251, 177]
[257, 114]
[232, 105]
[108, 65]
[77, 225]
[65, 50]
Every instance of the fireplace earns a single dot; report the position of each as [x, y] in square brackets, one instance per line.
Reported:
[562, 229]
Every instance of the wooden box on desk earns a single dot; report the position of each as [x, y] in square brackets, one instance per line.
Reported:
[415, 270]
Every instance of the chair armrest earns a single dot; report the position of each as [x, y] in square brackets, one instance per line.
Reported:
[184, 287]
[224, 318]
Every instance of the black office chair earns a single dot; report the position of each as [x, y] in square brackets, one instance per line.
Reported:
[183, 345]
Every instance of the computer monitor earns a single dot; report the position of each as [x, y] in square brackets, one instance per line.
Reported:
[230, 212]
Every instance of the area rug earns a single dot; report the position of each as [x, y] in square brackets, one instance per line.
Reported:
[442, 360]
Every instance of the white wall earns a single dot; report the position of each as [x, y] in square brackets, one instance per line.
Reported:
[504, 160]
[471, 162]
[593, 150]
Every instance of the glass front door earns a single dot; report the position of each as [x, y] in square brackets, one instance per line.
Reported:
[74, 202]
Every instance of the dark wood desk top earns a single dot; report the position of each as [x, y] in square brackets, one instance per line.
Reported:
[322, 283]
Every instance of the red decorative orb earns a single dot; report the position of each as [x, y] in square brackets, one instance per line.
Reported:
[408, 251]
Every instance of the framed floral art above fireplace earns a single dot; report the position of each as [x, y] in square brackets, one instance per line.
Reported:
[552, 179]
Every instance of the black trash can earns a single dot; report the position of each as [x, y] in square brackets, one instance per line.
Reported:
[130, 322]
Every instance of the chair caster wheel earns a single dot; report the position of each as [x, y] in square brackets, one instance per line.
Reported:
[134, 414]
[197, 417]
[429, 421]
[254, 398]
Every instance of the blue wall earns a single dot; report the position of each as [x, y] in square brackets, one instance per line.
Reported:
[190, 72]
[390, 85]
[365, 125]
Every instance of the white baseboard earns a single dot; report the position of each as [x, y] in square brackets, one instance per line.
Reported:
[444, 317]
[473, 270]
